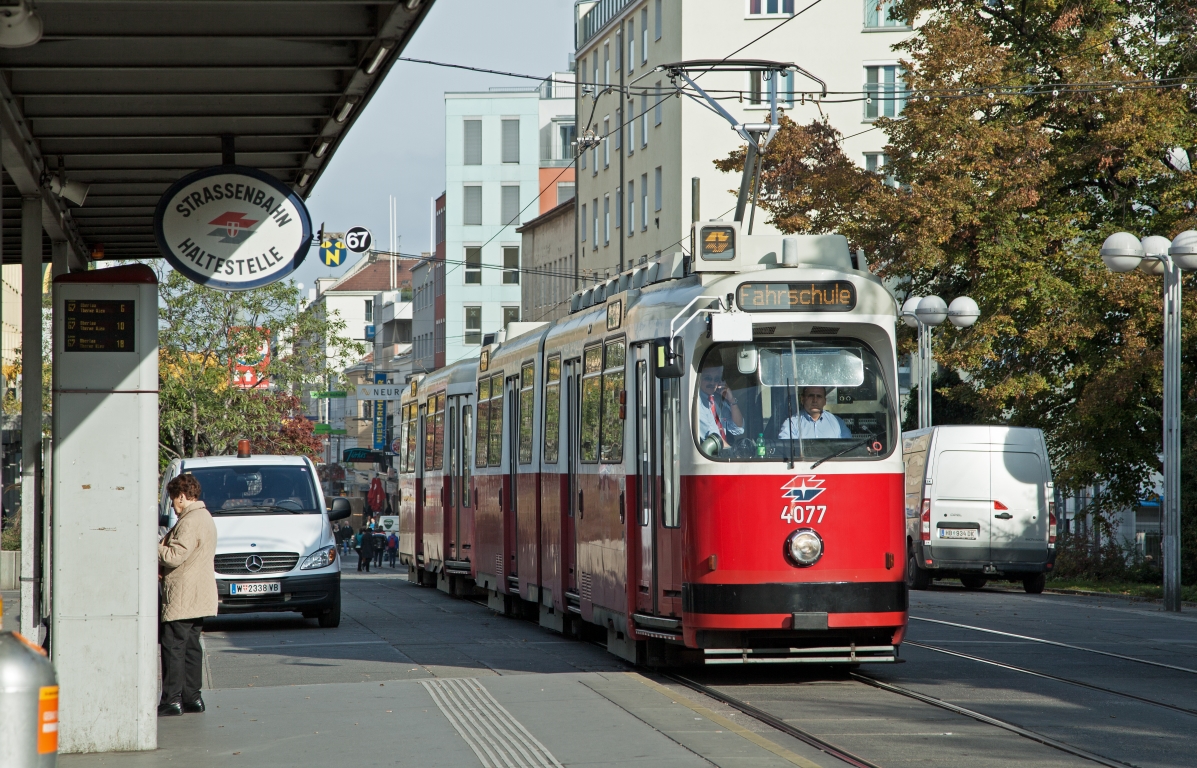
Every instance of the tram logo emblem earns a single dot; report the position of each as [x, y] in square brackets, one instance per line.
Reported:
[232, 227]
[803, 488]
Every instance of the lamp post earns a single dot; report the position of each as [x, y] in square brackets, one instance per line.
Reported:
[1123, 252]
[923, 313]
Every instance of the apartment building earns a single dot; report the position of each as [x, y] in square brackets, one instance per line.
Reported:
[634, 187]
[507, 155]
[548, 249]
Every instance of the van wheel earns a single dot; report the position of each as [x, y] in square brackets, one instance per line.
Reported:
[916, 578]
[973, 582]
[1034, 584]
[331, 619]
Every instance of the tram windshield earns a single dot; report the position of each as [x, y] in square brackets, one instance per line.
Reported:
[793, 400]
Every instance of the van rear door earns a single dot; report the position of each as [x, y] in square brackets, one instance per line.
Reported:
[961, 506]
[1019, 528]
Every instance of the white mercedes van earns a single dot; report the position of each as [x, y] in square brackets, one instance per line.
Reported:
[979, 506]
[275, 549]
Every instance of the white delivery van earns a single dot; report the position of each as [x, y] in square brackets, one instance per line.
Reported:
[979, 506]
[275, 549]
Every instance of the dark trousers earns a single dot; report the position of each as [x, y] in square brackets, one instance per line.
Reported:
[182, 660]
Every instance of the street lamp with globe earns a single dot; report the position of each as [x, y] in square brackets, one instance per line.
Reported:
[923, 313]
[1123, 252]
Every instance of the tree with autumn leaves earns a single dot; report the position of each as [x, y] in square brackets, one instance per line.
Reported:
[203, 332]
[1031, 132]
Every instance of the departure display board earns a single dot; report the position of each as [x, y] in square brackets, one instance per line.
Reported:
[809, 296]
[99, 326]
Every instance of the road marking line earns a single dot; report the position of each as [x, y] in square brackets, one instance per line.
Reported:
[785, 754]
[495, 736]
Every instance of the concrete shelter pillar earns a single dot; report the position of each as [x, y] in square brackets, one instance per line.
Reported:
[31, 417]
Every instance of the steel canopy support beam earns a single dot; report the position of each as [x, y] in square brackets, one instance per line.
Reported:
[31, 416]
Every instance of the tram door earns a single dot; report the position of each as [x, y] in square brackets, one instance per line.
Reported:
[511, 396]
[646, 480]
[571, 374]
[453, 470]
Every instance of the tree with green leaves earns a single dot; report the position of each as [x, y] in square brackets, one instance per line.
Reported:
[203, 333]
[1031, 131]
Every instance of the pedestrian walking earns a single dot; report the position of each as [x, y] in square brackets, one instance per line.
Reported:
[392, 547]
[380, 546]
[187, 569]
[365, 552]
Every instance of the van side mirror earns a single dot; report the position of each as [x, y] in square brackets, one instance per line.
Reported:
[340, 509]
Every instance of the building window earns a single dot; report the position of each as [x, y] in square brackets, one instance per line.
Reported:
[471, 206]
[618, 51]
[618, 207]
[594, 221]
[473, 142]
[618, 128]
[473, 265]
[643, 202]
[657, 105]
[631, 44]
[473, 325]
[631, 208]
[594, 76]
[644, 35]
[511, 140]
[607, 64]
[657, 12]
[594, 161]
[510, 204]
[566, 135]
[771, 7]
[884, 94]
[584, 221]
[758, 88]
[510, 315]
[565, 191]
[607, 142]
[369, 310]
[606, 219]
[644, 120]
[657, 191]
[878, 162]
[879, 13]
[511, 265]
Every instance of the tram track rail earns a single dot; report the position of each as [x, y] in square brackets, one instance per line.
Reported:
[1056, 678]
[772, 721]
[1069, 646]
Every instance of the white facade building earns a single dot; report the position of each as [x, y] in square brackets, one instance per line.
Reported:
[634, 189]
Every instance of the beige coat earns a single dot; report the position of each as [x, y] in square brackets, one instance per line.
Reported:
[186, 557]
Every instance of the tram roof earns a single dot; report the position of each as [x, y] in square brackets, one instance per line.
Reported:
[130, 96]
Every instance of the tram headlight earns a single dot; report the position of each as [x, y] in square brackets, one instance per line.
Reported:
[804, 547]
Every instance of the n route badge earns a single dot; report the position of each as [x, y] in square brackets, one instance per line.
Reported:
[232, 228]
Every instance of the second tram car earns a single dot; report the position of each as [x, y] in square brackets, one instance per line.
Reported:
[701, 460]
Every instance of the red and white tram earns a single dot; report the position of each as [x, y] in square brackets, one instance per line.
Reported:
[701, 459]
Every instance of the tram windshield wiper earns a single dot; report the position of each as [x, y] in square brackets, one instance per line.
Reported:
[845, 450]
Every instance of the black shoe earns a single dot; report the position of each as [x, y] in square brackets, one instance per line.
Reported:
[195, 705]
[170, 709]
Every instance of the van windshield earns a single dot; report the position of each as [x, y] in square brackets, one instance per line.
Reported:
[796, 399]
[257, 490]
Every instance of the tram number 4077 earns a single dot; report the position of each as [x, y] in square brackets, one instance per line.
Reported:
[804, 513]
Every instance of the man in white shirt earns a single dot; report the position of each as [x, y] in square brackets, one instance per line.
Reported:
[813, 421]
[718, 411]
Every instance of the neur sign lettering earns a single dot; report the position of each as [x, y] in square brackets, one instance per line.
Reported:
[232, 228]
[809, 296]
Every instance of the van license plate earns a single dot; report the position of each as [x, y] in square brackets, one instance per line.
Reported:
[958, 533]
[256, 588]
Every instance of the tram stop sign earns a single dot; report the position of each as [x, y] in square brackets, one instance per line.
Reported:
[232, 228]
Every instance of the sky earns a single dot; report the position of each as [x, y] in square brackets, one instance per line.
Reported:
[397, 145]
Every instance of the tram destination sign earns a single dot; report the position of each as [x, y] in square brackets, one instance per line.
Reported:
[232, 228]
[806, 296]
[99, 326]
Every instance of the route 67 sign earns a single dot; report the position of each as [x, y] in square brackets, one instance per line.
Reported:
[358, 239]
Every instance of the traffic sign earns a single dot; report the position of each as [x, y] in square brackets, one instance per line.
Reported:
[332, 249]
[358, 239]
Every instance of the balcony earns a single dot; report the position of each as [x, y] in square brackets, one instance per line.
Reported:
[594, 20]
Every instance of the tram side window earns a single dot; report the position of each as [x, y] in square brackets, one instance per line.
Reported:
[592, 399]
[495, 453]
[438, 434]
[527, 411]
[406, 440]
[430, 434]
[467, 419]
[670, 418]
[552, 410]
[613, 387]
[480, 447]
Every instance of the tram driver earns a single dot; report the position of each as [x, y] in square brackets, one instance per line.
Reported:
[813, 419]
[718, 410]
